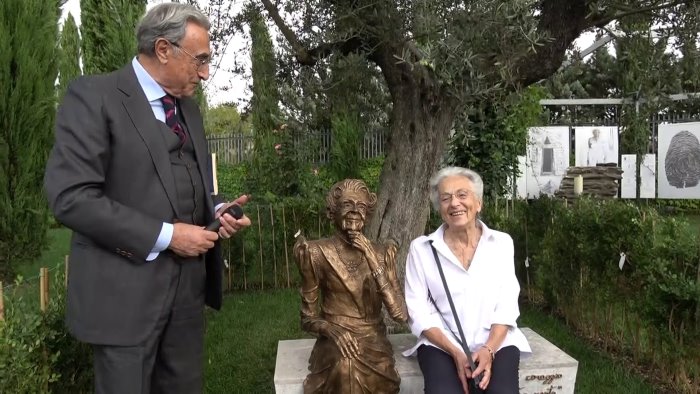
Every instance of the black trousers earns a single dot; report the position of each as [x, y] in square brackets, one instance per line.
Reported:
[440, 373]
[171, 359]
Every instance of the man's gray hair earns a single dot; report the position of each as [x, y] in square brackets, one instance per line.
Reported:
[473, 176]
[168, 21]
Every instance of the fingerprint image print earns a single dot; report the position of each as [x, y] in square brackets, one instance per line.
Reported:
[683, 160]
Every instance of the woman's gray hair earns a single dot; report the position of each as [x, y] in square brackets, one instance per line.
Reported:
[168, 21]
[473, 176]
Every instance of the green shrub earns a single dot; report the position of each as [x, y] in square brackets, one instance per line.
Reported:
[258, 256]
[650, 307]
[370, 170]
[231, 180]
[36, 352]
[346, 146]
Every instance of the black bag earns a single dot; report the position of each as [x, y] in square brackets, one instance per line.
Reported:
[474, 382]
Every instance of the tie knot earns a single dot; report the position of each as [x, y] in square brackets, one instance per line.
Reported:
[168, 101]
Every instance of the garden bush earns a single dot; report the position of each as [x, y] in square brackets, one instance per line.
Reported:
[649, 308]
[37, 354]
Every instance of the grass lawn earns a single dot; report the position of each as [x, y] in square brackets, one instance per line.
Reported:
[242, 338]
[242, 345]
[597, 372]
[56, 250]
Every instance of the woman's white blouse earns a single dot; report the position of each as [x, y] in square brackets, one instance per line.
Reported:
[485, 294]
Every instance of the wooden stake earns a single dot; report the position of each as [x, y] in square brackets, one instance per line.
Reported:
[245, 276]
[529, 288]
[274, 250]
[262, 277]
[228, 273]
[230, 267]
[286, 252]
[65, 267]
[213, 173]
[2, 304]
[43, 288]
[294, 219]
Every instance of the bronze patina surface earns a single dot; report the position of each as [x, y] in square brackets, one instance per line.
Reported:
[345, 281]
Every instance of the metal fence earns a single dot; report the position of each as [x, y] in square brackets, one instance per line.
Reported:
[314, 147]
[573, 115]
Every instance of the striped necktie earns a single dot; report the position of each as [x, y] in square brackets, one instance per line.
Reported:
[172, 119]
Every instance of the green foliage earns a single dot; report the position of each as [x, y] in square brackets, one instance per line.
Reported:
[224, 119]
[107, 31]
[231, 180]
[490, 138]
[259, 257]
[346, 145]
[242, 340]
[37, 354]
[650, 307]
[28, 69]
[255, 254]
[370, 170]
[598, 372]
[69, 65]
[274, 169]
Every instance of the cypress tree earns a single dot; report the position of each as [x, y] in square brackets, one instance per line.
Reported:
[273, 163]
[28, 70]
[107, 30]
[69, 65]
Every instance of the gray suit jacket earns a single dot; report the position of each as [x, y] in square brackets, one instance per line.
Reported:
[109, 179]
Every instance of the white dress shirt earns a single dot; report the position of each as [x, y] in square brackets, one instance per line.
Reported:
[485, 294]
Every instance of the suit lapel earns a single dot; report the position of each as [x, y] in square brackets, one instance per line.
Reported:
[190, 115]
[141, 115]
[346, 278]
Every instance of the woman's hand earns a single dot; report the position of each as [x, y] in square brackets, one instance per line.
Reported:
[482, 358]
[462, 365]
[360, 242]
[345, 341]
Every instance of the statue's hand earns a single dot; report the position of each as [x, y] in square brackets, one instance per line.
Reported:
[345, 341]
[360, 242]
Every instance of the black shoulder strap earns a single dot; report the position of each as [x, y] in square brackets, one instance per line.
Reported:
[464, 344]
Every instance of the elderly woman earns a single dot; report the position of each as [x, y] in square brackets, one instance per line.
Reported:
[480, 273]
[349, 278]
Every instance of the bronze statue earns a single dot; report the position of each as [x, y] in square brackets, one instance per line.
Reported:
[353, 277]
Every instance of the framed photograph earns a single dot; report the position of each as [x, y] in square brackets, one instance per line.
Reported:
[596, 145]
[547, 159]
[679, 160]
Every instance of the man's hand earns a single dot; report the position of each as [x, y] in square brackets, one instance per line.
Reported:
[191, 241]
[229, 224]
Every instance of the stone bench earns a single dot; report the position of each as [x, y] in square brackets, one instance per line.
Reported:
[547, 370]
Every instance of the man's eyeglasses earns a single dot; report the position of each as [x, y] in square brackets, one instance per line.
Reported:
[462, 195]
[201, 61]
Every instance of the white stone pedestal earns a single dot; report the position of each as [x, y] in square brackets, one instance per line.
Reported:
[547, 370]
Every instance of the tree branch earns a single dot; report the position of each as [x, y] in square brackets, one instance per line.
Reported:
[605, 19]
[563, 22]
[309, 57]
[301, 53]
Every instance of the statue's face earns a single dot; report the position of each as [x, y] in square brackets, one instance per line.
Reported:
[351, 211]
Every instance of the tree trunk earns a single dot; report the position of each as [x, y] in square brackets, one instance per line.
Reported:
[420, 125]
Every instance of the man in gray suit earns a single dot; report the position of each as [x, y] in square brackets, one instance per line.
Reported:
[129, 173]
